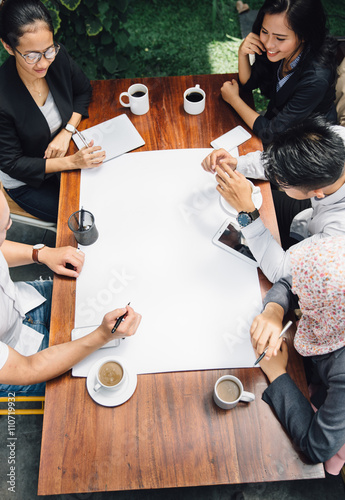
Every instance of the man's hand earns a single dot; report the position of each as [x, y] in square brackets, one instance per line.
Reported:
[67, 261]
[127, 327]
[235, 189]
[277, 365]
[218, 157]
[266, 328]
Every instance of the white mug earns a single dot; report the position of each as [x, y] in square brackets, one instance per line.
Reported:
[226, 396]
[138, 97]
[194, 100]
[106, 378]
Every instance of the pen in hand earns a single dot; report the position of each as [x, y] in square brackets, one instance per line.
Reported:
[118, 321]
[81, 137]
[286, 327]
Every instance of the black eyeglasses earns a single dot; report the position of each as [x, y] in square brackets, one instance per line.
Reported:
[34, 57]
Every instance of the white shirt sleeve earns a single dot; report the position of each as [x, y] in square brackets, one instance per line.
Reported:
[4, 351]
[274, 262]
[251, 165]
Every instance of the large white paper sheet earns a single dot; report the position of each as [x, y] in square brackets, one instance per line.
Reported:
[156, 213]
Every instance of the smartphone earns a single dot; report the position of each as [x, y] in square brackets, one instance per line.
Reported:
[231, 139]
[229, 238]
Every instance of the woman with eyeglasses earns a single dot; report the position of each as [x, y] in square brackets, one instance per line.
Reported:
[295, 67]
[43, 97]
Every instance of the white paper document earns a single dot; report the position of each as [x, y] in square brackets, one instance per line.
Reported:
[156, 213]
[116, 136]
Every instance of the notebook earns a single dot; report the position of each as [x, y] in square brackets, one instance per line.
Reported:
[116, 136]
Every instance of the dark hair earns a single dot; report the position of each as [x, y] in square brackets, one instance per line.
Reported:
[309, 156]
[308, 20]
[17, 15]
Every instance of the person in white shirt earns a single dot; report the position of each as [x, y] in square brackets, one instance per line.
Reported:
[307, 162]
[25, 363]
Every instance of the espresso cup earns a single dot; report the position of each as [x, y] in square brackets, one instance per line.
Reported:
[228, 391]
[194, 100]
[110, 375]
[138, 99]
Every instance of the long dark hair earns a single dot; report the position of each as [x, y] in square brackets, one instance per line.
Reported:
[308, 20]
[17, 15]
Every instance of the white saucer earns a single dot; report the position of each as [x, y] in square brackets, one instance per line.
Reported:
[106, 397]
[256, 197]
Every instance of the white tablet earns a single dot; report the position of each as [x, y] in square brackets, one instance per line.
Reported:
[229, 238]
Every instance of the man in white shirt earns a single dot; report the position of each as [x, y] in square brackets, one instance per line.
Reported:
[307, 162]
[25, 317]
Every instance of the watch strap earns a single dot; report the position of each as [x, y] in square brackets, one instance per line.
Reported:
[35, 251]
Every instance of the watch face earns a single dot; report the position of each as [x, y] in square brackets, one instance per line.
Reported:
[39, 246]
[244, 219]
[70, 128]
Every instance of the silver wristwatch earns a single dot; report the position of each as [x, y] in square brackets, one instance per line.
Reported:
[70, 128]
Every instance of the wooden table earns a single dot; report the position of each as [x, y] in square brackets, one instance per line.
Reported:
[170, 433]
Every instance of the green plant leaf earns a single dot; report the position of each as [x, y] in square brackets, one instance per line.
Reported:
[70, 4]
[93, 26]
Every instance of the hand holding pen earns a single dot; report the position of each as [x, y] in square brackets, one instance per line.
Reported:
[284, 330]
[118, 321]
[89, 156]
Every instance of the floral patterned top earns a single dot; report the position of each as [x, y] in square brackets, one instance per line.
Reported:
[318, 278]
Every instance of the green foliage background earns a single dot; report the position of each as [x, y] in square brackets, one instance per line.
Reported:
[136, 38]
[93, 32]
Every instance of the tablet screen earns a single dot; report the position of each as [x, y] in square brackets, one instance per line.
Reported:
[233, 238]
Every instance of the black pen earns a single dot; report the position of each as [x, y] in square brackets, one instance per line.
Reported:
[118, 321]
[286, 327]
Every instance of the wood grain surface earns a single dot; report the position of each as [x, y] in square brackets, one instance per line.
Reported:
[170, 433]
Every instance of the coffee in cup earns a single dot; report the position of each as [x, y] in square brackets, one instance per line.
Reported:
[110, 375]
[138, 99]
[194, 100]
[228, 391]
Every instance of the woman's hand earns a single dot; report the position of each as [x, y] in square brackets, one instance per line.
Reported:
[90, 157]
[251, 45]
[266, 328]
[230, 91]
[58, 147]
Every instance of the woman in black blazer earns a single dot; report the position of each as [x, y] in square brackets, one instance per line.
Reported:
[295, 67]
[43, 96]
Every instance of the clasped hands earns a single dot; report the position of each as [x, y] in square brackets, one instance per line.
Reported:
[87, 157]
[232, 185]
[265, 331]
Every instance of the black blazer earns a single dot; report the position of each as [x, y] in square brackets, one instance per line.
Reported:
[24, 131]
[310, 89]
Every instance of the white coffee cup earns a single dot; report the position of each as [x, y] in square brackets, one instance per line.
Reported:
[110, 375]
[138, 97]
[228, 391]
[194, 100]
